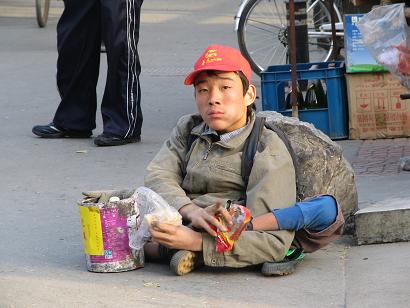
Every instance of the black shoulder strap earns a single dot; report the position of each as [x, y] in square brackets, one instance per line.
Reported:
[191, 140]
[251, 146]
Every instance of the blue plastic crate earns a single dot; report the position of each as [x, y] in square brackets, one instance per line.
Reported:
[331, 120]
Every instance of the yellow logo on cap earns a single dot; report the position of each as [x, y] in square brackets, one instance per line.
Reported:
[211, 56]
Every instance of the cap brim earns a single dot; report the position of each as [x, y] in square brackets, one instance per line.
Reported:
[190, 79]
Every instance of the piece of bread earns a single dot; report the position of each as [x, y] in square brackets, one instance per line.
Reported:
[175, 220]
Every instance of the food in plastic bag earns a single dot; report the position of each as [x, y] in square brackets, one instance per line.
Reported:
[152, 207]
[240, 218]
[387, 37]
[403, 65]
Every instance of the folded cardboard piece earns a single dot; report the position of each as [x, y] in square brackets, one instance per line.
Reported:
[375, 107]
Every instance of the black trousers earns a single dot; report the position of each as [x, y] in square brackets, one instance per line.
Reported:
[82, 26]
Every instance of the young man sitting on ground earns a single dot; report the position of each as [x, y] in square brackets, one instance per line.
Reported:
[196, 178]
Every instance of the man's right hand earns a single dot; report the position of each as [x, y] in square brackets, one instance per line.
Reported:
[202, 217]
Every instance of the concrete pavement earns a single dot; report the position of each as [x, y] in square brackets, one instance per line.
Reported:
[41, 259]
[383, 187]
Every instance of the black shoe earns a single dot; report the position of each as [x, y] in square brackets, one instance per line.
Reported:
[286, 266]
[52, 131]
[107, 140]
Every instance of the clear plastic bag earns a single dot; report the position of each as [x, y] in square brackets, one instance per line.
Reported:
[152, 207]
[387, 37]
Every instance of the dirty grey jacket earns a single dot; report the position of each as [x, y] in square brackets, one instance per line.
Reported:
[211, 171]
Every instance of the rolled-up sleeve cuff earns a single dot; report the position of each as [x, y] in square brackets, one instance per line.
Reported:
[211, 257]
[180, 202]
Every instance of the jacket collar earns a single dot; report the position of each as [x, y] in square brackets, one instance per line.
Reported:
[234, 142]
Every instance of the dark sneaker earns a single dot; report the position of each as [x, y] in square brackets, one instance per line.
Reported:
[286, 266]
[185, 261]
[52, 131]
[108, 140]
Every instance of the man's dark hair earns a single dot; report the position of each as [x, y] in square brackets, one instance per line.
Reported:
[245, 85]
[245, 82]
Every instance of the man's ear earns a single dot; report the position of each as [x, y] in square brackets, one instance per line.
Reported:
[250, 95]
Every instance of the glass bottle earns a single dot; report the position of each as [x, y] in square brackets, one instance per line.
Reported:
[299, 96]
[315, 95]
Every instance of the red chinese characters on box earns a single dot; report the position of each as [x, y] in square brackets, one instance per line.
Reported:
[375, 107]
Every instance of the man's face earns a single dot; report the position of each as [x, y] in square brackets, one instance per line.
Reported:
[221, 101]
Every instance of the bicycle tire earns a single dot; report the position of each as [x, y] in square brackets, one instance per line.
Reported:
[267, 19]
[42, 10]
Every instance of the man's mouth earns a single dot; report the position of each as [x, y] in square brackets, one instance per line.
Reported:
[215, 113]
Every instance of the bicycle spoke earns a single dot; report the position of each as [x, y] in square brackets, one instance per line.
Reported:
[263, 32]
[262, 23]
[311, 6]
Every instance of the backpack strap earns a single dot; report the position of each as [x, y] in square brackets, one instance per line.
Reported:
[251, 145]
[191, 140]
[249, 149]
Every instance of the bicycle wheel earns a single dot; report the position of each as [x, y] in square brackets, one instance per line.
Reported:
[42, 7]
[263, 32]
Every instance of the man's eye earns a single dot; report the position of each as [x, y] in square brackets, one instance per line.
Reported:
[226, 87]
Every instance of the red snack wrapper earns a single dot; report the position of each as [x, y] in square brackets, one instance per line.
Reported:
[240, 218]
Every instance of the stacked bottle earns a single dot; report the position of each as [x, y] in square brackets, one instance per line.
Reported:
[315, 95]
[299, 95]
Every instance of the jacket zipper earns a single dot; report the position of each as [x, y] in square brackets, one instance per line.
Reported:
[207, 151]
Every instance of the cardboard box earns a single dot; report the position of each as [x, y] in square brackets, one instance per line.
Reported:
[375, 107]
[358, 59]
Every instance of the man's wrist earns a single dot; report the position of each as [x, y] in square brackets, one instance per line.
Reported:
[186, 210]
[265, 222]
[249, 226]
[198, 242]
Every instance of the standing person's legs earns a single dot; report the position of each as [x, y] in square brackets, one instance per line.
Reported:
[78, 43]
[121, 110]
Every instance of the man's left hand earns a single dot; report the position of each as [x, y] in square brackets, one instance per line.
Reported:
[176, 237]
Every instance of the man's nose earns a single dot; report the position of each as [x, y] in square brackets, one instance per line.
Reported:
[214, 97]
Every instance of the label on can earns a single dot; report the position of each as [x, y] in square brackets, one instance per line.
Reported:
[105, 234]
[92, 233]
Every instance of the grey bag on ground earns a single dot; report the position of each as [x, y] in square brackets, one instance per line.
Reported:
[321, 169]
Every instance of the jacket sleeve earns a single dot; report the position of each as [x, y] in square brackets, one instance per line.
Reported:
[271, 185]
[164, 173]
[252, 248]
[311, 241]
[272, 182]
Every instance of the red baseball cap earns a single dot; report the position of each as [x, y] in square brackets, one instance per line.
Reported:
[220, 58]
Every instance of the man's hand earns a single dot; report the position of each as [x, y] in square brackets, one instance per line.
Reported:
[104, 195]
[176, 237]
[201, 218]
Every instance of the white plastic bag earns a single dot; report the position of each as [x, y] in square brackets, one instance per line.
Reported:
[152, 207]
[387, 37]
